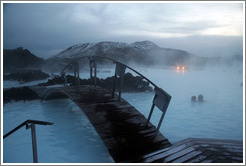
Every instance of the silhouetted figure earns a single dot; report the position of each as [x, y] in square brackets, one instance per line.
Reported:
[193, 98]
[200, 98]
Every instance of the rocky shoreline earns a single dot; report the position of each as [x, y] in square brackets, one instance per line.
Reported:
[26, 76]
[131, 84]
[16, 94]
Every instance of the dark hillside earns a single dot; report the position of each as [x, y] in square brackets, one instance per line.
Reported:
[16, 59]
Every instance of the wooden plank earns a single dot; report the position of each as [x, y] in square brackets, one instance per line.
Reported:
[198, 159]
[237, 159]
[152, 154]
[218, 141]
[109, 115]
[211, 159]
[187, 157]
[148, 130]
[180, 153]
[109, 102]
[215, 152]
[107, 107]
[163, 150]
[168, 152]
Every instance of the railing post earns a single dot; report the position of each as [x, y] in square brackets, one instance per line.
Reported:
[93, 66]
[91, 72]
[65, 78]
[95, 74]
[78, 75]
[161, 119]
[30, 124]
[150, 113]
[114, 83]
[34, 143]
[120, 87]
[75, 77]
[119, 71]
[75, 67]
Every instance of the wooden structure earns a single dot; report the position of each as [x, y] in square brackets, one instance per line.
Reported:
[123, 129]
[198, 150]
[127, 134]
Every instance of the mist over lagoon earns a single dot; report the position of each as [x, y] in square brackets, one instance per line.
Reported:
[190, 50]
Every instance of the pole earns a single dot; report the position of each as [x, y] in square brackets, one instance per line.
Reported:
[95, 75]
[114, 83]
[34, 143]
[121, 85]
[78, 77]
[159, 124]
[151, 111]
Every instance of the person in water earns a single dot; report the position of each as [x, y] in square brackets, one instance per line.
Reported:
[200, 98]
[193, 98]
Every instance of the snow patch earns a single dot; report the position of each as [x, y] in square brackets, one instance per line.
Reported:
[145, 45]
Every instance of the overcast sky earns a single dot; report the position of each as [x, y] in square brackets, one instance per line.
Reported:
[205, 29]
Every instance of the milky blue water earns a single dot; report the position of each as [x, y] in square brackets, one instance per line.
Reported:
[72, 139]
[220, 116]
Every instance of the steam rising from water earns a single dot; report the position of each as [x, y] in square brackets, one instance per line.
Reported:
[73, 139]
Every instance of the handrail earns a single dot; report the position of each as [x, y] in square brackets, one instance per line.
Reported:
[26, 123]
[115, 61]
[30, 124]
[161, 98]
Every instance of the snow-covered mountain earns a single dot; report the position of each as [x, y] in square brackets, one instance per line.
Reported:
[104, 47]
[72, 51]
[142, 53]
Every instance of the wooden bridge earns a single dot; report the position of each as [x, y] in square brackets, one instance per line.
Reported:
[127, 134]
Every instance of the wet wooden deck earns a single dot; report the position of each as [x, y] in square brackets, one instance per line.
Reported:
[122, 128]
[198, 150]
[125, 134]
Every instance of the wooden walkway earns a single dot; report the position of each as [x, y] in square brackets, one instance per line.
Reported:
[124, 132]
[121, 127]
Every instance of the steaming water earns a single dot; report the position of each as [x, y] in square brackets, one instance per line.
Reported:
[9, 84]
[73, 139]
[220, 116]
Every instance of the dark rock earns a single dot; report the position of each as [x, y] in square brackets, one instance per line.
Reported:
[20, 58]
[26, 76]
[23, 93]
[130, 83]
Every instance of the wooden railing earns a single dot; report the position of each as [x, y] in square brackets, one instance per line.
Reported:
[161, 98]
